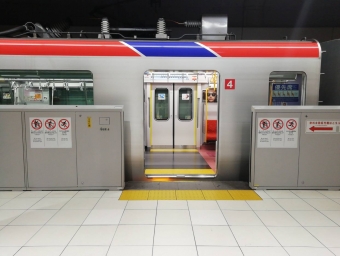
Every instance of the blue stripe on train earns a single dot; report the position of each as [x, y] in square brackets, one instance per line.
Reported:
[170, 49]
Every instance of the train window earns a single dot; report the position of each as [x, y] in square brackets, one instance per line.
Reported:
[287, 88]
[185, 104]
[46, 87]
[161, 104]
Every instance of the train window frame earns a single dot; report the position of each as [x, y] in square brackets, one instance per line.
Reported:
[191, 104]
[166, 100]
[295, 80]
[46, 87]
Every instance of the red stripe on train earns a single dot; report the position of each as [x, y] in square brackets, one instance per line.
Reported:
[265, 49]
[61, 47]
[87, 47]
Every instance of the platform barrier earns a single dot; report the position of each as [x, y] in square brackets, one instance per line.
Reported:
[295, 147]
[61, 147]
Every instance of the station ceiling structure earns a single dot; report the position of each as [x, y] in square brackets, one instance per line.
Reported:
[144, 13]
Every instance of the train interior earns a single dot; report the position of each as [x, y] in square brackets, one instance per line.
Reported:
[46, 87]
[180, 119]
[287, 88]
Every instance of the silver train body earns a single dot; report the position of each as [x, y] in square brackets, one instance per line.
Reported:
[118, 70]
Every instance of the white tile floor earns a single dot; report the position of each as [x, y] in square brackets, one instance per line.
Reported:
[96, 223]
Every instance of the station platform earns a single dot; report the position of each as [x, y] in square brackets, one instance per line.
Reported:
[79, 223]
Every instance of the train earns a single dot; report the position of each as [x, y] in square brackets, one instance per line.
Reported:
[164, 87]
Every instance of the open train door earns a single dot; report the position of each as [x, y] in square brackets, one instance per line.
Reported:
[175, 125]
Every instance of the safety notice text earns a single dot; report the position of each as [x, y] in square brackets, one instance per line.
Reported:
[277, 132]
[50, 132]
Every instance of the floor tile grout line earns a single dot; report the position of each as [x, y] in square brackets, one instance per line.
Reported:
[154, 230]
[319, 210]
[298, 221]
[46, 222]
[270, 231]
[74, 196]
[307, 229]
[117, 225]
[316, 210]
[192, 228]
[25, 210]
[305, 190]
[238, 245]
[333, 199]
[110, 245]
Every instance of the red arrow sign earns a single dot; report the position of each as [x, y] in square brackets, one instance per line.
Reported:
[313, 128]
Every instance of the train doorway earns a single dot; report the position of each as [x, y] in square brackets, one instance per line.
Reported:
[176, 124]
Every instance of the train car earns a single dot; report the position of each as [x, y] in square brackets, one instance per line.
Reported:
[330, 78]
[164, 87]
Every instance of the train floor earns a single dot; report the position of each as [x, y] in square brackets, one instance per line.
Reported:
[181, 162]
[80, 223]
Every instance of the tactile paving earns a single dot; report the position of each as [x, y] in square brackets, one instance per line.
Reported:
[216, 195]
[134, 195]
[162, 195]
[189, 195]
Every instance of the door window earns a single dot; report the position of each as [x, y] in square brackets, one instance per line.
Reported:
[161, 104]
[185, 104]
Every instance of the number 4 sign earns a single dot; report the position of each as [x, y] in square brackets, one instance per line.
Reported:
[229, 84]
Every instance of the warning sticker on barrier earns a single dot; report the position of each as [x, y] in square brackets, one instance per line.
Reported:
[36, 132]
[64, 133]
[50, 132]
[322, 126]
[277, 133]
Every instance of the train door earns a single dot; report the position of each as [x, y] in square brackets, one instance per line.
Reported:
[176, 117]
[172, 116]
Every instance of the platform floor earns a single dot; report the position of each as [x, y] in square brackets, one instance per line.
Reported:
[83, 223]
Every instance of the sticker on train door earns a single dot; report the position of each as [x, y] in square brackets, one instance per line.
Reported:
[161, 96]
[229, 84]
[185, 96]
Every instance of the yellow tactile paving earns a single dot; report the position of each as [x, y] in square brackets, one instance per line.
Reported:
[178, 171]
[216, 195]
[162, 195]
[189, 195]
[244, 195]
[134, 195]
[174, 150]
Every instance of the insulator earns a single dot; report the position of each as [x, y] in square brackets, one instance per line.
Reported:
[192, 23]
[105, 26]
[161, 29]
